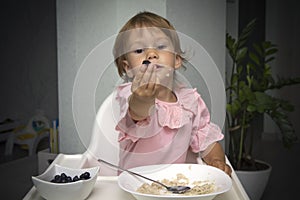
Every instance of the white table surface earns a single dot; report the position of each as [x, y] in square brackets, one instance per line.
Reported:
[106, 187]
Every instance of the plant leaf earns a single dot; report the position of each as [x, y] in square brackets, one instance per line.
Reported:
[241, 53]
[254, 58]
[271, 51]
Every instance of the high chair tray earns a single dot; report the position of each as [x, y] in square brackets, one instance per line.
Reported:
[107, 187]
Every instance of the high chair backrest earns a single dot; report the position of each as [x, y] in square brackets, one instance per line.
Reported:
[104, 141]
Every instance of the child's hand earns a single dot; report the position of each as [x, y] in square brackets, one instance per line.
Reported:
[221, 165]
[144, 89]
[144, 84]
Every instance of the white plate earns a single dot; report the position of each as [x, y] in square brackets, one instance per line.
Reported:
[194, 172]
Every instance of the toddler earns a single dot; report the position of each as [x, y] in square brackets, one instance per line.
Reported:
[162, 120]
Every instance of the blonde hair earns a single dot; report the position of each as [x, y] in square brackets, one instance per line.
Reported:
[144, 19]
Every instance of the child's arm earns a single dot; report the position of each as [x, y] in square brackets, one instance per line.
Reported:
[139, 107]
[143, 93]
[216, 158]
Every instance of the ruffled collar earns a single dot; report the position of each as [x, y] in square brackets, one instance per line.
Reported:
[171, 114]
[176, 114]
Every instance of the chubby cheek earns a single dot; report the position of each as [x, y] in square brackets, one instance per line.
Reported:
[132, 69]
[135, 61]
[165, 76]
[168, 58]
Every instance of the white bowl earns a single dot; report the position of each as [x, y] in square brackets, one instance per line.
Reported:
[72, 190]
[194, 172]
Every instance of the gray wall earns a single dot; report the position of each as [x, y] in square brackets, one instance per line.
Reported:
[282, 28]
[28, 59]
[83, 25]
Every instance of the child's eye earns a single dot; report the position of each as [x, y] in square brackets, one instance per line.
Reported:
[162, 46]
[138, 51]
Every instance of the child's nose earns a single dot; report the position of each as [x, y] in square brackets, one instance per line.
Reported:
[152, 54]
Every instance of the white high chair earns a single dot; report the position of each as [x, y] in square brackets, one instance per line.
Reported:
[104, 143]
[104, 140]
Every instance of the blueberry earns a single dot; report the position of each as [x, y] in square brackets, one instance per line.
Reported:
[69, 179]
[63, 175]
[64, 178]
[76, 178]
[85, 175]
[81, 177]
[147, 62]
[63, 181]
[57, 178]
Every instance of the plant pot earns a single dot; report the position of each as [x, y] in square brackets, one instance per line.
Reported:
[255, 182]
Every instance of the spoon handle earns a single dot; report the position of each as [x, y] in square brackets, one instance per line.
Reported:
[131, 172]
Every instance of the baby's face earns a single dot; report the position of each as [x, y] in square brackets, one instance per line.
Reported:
[150, 44]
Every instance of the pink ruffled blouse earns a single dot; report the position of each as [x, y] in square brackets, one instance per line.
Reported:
[171, 134]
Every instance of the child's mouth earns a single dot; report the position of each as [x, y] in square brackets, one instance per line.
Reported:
[147, 62]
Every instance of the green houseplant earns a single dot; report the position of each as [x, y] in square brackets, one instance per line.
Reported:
[248, 84]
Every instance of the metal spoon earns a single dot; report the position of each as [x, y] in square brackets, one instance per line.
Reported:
[175, 189]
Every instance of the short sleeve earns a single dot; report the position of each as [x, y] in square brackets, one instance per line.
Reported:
[205, 133]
